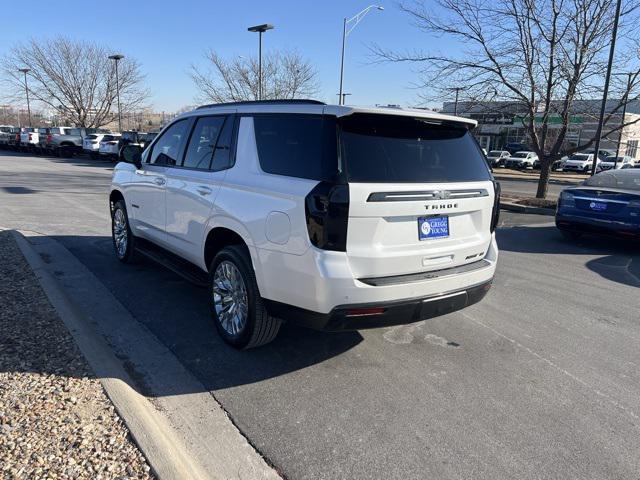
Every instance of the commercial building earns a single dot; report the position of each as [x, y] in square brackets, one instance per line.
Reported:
[500, 123]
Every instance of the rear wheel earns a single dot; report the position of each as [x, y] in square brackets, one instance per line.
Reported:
[123, 239]
[236, 306]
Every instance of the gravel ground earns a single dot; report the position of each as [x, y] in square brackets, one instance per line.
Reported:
[55, 419]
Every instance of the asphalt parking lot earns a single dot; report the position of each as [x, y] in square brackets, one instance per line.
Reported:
[540, 380]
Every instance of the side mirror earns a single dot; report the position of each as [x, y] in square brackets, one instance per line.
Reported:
[131, 154]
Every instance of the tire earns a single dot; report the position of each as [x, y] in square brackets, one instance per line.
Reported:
[570, 235]
[231, 273]
[120, 230]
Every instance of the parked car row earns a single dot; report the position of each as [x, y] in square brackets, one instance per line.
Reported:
[579, 162]
[69, 141]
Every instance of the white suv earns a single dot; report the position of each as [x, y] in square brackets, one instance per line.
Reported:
[334, 217]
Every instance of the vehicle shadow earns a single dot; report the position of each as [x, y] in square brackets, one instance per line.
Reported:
[176, 312]
[618, 261]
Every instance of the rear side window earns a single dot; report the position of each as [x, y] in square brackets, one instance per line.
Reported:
[391, 148]
[203, 142]
[296, 145]
[222, 156]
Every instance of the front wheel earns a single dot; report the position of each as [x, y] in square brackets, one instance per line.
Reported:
[123, 239]
[236, 306]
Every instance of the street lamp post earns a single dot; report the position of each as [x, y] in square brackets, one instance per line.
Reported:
[346, 30]
[260, 29]
[117, 57]
[26, 89]
[612, 50]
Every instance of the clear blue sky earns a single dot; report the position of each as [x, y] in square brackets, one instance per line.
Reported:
[168, 36]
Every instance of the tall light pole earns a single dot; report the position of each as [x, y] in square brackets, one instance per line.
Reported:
[612, 50]
[26, 89]
[260, 29]
[455, 105]
[117, 57]
[346, 30]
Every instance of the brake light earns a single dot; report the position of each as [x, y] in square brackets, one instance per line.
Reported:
[49, 138]
[495, 213]
[363, 312]
[30, 137]
[327, 211]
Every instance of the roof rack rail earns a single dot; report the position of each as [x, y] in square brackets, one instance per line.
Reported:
[294, 101]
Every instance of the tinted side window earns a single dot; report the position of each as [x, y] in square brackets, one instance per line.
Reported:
[296, 145]
[167, 149]
[203, 142]
[222, 157]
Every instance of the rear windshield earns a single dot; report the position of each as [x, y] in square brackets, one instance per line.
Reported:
[108, 138]
[580, 156]
[129, 135]
[91, 137]
[626, 179]
[391, 148]
[5, 129]
[494, 153]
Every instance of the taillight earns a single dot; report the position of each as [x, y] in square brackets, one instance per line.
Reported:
[30, 137]
[495, 214]
[327, 210]
[49, 138]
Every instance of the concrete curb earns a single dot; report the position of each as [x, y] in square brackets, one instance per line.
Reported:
[526, 178]
[177, 423]
[165, 453]
[516, 207]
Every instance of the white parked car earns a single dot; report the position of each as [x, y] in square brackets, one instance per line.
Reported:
[521, 160]
[30, 137]
[109, 145]
[91, 144]
[579, 162]
[396, 227]
[616, 162]
[497, 158]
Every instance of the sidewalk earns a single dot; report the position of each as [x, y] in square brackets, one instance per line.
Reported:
[55, 418]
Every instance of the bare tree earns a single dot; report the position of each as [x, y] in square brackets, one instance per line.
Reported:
[285, 75]
[541, 57]
[75, 79]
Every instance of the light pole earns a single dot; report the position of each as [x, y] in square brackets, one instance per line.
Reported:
[117, 57]
[612, 50]
[346, 30]
[342, 97]
[260, 29]
[455, 105]
[26, 89]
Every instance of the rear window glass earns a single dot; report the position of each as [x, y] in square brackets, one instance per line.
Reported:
[628, 179]
[296, 145]
[386, 149]
[75, 131]
[108, 138]
[91, 137]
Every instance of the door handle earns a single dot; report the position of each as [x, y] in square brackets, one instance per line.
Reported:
[203, 190]
[159, 181]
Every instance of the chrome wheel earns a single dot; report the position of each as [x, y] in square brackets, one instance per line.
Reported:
[230, 298]
[120, 234]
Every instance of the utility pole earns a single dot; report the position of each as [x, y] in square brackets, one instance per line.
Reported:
[26, 89]
[612, 50]
[455, 105]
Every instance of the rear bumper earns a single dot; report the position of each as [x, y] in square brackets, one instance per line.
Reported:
[380, 314]
[323, 282]
[582, 224]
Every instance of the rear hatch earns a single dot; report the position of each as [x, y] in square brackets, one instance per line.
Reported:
[421, 195]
